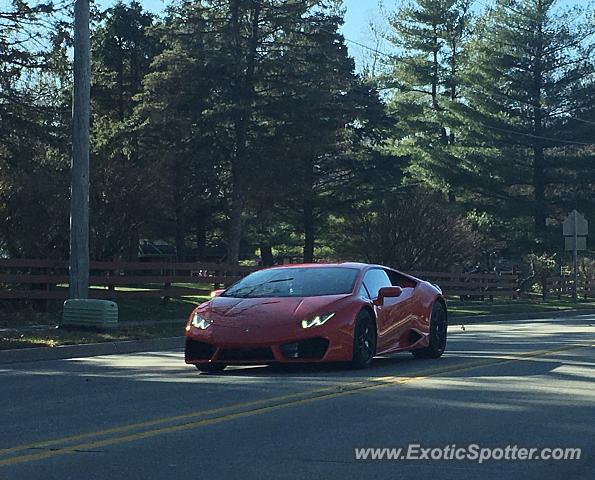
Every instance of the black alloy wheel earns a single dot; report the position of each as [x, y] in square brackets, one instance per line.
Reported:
[364, 340]
[438, 333]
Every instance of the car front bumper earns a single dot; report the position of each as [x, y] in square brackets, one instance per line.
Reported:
[230, 346]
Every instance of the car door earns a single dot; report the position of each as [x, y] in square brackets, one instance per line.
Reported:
[405, 316]
[387, 314]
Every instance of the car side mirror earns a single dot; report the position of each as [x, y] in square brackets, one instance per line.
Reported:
[216, 293]
[387, 292]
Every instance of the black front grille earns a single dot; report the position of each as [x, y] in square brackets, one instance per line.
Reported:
[246, 354]
[198, 350]
[312, 349]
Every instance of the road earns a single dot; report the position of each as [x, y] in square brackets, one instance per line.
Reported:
[149, 416]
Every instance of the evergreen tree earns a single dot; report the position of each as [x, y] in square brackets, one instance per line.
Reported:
[184, 125]
[122, 179]
[431, 34]
[527, 76]
[311, 103]
[33, 134]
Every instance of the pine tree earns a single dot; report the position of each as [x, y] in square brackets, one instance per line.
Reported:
[312, 100]
[34, 124]
[431, 34]
[526, 78]
[183, 124]
[122, 180]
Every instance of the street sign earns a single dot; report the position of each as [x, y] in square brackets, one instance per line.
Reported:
[575, 243]
[575, 224]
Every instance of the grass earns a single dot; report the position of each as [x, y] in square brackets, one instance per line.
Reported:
[53, 336]
[458, 308]
[25, 328]
[28, 327]
[149, 309]
[155, 309]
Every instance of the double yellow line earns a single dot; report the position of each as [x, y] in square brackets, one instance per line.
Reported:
[165, 425]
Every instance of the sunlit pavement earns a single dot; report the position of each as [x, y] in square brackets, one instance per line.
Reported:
[529, 383]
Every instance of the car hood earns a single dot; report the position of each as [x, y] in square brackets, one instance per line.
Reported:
[246, 311]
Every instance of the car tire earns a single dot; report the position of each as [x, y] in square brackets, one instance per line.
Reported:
[438, 334]
[211, 367]
[364, 340]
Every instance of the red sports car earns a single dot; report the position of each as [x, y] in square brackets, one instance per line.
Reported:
[317, 313]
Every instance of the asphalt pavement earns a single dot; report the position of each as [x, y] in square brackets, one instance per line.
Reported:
[525, 384]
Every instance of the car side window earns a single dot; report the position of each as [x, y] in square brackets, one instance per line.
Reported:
[376, 279]
[399, 280]
[363, 292]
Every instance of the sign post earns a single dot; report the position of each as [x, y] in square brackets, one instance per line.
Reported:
[575, 230]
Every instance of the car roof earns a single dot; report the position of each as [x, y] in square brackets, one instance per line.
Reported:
[357, 265]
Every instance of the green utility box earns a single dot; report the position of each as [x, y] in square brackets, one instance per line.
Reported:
[91, 313]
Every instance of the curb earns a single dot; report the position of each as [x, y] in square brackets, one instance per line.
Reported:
[89, 350]
[505, 317]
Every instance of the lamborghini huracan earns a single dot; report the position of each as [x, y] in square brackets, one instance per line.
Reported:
[344, 312]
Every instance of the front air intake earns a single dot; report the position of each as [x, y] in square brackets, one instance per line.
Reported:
[198, 350]
[311, 349]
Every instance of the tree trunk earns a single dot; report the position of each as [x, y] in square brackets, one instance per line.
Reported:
[308, 219]
[309, 229]
[133, 243]
[179, 212]
[235, 221]
[453, 81]
[539, 209]
[201, 237]
[435, 66]
[180, 233]
[243, 95]
[436, 82]
[266, 255]
[540, 213]
[120, 82]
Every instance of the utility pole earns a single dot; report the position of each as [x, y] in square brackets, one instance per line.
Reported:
[79, 198]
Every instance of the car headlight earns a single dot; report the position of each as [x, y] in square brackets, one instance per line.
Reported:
[317, 321]
[199, 322]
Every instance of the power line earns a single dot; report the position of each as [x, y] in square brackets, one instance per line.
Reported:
[539, 137]
[372, 49]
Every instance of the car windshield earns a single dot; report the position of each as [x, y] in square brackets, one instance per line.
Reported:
[295, 282]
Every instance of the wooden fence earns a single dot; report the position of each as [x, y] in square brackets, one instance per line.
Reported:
[476, 286]
[561, 286]
[48, 279]
[25, 279]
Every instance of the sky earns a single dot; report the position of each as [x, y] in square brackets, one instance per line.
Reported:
[359, 15]
[358, 12]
